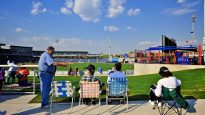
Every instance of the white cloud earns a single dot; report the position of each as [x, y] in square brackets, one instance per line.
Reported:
[65, 11]
[115, 8]
[187, 42]
[179, 11]
[111, 28]
[37, 8]
[62, 44]
[133, 12]
[190, 5]
[20, 30]
[88, 10]
[147, 44]
[69, 4]
[181, 1]
[185, 8]
[72, 44]
[37, 42]
[130, 28]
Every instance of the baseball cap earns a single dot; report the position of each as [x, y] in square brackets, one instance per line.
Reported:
[90, 67]
[50, 48]
[164, 70]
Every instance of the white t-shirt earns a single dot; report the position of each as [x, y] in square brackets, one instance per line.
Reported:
[169, 82]
[13, 67]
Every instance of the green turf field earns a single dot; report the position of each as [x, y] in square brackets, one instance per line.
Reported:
[105, 66]
[193, 85]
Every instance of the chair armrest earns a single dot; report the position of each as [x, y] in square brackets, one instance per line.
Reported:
[74, 90]
[107, 89]
[127, 92]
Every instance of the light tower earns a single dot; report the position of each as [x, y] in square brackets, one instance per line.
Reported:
[109, 48]
[204, 34]
[193, 31]
[109, 52]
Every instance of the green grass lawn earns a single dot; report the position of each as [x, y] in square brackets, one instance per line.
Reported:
[105, 66]
[193, 85]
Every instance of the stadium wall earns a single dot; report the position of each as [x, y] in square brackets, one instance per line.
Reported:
[144, 69]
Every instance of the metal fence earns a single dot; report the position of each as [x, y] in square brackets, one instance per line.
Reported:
[33, 73]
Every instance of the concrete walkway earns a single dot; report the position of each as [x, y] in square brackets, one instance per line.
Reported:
[18, 105]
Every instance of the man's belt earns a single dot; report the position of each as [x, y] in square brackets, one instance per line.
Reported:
[46, 72]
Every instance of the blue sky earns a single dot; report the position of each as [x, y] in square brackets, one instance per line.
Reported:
[93, 25]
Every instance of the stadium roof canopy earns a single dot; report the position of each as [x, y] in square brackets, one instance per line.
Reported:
[173, 48]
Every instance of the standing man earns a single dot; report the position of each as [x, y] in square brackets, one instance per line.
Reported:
[69, 71]
[47, 68]
[11, 71]
[76, 71]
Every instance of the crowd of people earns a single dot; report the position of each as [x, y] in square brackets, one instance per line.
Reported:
[46, 64]
[47, 69]
[13, 72]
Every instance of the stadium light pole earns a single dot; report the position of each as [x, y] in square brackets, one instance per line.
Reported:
[204, 34]
[193, 31]
[109, 48]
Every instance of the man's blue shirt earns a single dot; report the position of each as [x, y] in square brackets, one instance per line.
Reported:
[116, 74]
[45, 63]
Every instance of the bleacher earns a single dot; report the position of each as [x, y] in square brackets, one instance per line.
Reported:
[88, 60]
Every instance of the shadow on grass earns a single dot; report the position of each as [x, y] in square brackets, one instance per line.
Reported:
[192, 102]
[138, 97]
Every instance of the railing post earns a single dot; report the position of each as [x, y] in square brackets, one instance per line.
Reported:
[34, 81]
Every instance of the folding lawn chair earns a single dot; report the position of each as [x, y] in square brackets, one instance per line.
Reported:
[117, 89]
[89, 90]
[62, 89]
[172, 101]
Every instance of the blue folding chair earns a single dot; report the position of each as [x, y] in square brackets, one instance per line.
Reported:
[62, 89]
[117, 89]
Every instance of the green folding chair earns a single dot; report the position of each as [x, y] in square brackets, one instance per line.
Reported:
[172, 101]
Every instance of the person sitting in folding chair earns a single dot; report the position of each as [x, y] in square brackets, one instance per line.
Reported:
[168, 81]
[22, 75]
[168, 95]
[117, 74]
[89, 76]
